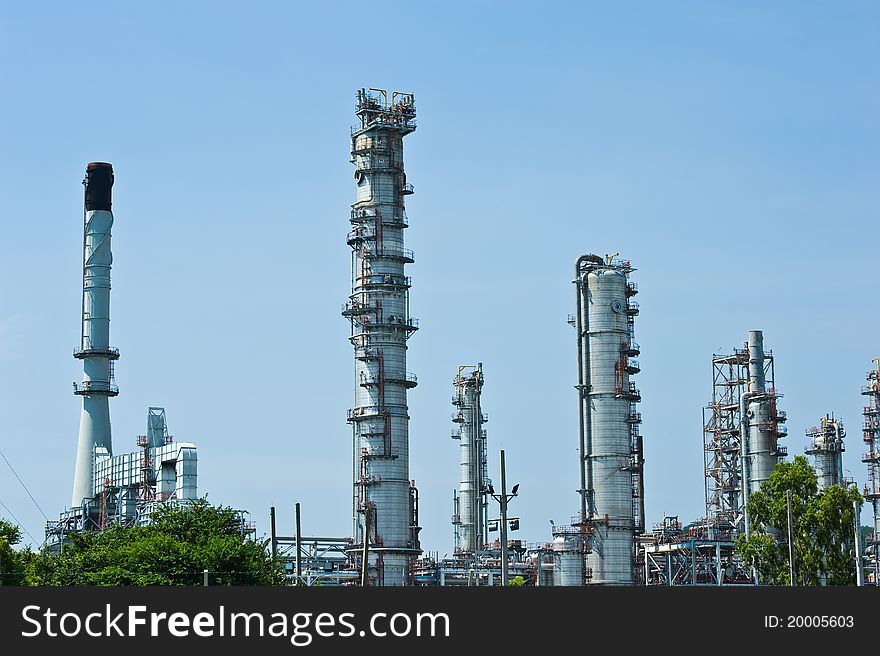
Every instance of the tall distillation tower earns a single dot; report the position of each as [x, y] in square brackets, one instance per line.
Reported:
[385, 500]
[612, 462]
[826, 446]
[762, 418]
[98, 382]
[872, 457]
[741, 428]
[471, 502]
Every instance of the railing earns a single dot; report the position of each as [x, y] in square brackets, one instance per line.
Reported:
[632, 349]
[388, 279]
[380, 452]
[871, 456]
[404, 377]
[632, 289]
[364, 411]
[95, 386]
[407, 188]
[397, 322]
[112, 353]
[632, 307]
[404, 254]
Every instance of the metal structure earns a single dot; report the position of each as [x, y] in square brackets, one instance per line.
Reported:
[129, 487]
[95, 352]
[872, 458]
[385, 499]
[676, 555]
[826, 447]
[612, 462]
[123, 489]
[483, 568]
[471, 502]
[738, 377]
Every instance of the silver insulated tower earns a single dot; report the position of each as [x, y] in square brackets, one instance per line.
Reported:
[471, 501]
[612, 507]
[385, 501]
[762, 417]
[98, 383]
[826, 447]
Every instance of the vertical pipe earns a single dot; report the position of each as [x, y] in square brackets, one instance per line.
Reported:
[790, 537]
[274, 534]
[503, 522]
[298, 548]
[365, 556]
[744, 459]
[859, 574]
[582, 423]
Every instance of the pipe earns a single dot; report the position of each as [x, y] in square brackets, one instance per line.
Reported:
[744, 455]
[584, 419]
[274, 535]
[504, 574]
[298, 550]
[860, 579]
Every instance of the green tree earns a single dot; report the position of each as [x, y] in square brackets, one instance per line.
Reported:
[12, 561]
[182, 541]
[822, 523]
[516, 581]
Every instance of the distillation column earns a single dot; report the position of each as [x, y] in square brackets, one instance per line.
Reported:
[763, 451]
[385, 501]
[98, 381]
[872, 457]
[611, 457]
[827, 450]
[472, 500]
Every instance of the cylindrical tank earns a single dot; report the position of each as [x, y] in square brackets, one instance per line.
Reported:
[568, 561]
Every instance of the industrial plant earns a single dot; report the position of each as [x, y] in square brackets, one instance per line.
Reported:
[607, 541]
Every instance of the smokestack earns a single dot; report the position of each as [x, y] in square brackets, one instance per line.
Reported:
[98, 382]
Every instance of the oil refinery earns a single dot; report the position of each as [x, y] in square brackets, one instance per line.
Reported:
[606, 542]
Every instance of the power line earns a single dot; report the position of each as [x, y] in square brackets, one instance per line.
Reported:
[15, 519]
[23, 485]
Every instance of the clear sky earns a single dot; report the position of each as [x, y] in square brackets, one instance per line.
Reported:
[730, 150]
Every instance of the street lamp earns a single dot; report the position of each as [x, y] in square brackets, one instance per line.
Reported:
[503, 500]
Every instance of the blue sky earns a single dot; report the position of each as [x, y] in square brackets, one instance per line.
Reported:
[730, 150]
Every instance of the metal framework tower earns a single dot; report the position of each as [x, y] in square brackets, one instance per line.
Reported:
[472, 501]
[744, 377]
[98, 381]
[872, 457]
[385, 500]
[612, 462]
[826, 447]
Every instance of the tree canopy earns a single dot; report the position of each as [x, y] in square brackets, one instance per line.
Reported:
[11, 561]
[823, 528]
[175, 549]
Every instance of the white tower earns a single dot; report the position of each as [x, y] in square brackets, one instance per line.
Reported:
[98, 382]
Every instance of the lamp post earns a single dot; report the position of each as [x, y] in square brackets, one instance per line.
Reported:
[503, 500]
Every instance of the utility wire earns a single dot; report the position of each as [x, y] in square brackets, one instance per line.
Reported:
[15, 519]
[23, 485]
